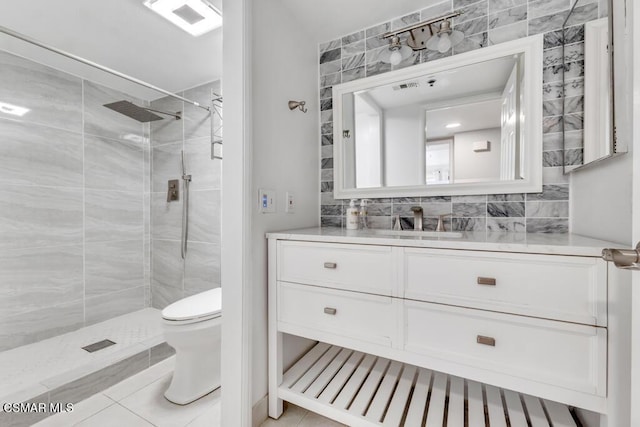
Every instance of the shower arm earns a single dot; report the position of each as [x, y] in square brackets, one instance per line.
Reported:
[108, 70]
[177, 116]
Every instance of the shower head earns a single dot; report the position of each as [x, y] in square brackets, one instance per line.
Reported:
[131, 110]
[141, 114]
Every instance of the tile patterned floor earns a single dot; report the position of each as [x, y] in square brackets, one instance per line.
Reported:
[139, 402]
[294, 416]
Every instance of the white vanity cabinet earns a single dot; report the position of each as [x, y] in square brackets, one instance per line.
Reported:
[530, 318]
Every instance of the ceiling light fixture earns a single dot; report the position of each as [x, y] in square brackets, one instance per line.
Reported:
[453, 125]
[196, 17]
[420, 37]
[14, 110]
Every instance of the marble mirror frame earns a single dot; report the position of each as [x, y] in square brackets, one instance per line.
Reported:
[532, 49]
[612, 148]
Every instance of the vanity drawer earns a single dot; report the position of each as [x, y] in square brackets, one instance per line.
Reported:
[572, 289]
[363, 317]
[557, 353]
[351, 267]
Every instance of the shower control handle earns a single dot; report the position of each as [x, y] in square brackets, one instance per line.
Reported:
[330, 310]
[173, 193]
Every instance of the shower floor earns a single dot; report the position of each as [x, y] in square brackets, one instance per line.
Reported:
[41, 368]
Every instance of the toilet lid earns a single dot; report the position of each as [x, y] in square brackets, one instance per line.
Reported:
[203, 306]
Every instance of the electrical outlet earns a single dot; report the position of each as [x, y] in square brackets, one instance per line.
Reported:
[267, 201]
[291, 203]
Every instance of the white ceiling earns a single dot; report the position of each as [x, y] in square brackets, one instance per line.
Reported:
[120, 34]
[474, 116]
[470, 80]
[326, 20]
[126, 36]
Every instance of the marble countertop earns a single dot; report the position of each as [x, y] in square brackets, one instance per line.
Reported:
[556, 244]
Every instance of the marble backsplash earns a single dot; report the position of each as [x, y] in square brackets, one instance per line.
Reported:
[72, 212]
[484, 23]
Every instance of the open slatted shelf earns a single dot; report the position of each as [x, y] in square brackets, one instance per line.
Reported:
[363, 390]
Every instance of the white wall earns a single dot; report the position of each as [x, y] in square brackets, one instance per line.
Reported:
[368, 173]
[469, 165]
[404, 154]
[635, 325]
[600, 204]
[236, 218]
[285, 150]
[600, 201]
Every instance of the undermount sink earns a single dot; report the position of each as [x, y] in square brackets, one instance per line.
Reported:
[417, 233]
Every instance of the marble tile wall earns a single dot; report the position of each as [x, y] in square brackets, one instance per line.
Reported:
[173, 278]
[72, 214]
[484, 23]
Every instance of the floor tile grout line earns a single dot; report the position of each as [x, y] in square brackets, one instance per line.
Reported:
[97, 412]
[136, 414]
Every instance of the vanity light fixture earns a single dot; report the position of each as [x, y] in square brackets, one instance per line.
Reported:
[421, 36]
[396, 53]
[196, 17]
[14, 110]
[453, 125]
[445, 38]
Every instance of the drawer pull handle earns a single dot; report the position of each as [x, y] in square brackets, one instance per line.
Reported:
[330, 310]
[489, 281]
[330, 265]
[486, 341]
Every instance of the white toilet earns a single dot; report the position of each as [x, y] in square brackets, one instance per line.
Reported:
[192, 328]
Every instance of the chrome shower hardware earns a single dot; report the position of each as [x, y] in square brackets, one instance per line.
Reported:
[216, 133]
[173, 192]
[141, 114]
[186, 179]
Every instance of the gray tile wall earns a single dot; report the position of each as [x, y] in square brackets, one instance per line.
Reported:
[174, 278]
[484, 23]
[72, 211]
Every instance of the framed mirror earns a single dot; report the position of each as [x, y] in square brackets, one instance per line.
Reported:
[588, 107]
[462, 125]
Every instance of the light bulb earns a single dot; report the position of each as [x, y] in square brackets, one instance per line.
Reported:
[444, 44]
[395, 58]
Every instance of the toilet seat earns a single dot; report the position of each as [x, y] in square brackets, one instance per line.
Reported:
[196, 308]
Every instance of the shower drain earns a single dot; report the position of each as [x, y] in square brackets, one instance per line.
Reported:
[98, 345]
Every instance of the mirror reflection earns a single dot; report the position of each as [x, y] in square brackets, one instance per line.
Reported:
[463, 125]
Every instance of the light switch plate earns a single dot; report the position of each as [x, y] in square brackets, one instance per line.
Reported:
[291, 203]
[267, 201]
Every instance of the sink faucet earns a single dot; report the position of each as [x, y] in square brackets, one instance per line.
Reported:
[440, 226]
[417, 217]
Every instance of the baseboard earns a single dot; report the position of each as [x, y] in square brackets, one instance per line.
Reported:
[260, 411]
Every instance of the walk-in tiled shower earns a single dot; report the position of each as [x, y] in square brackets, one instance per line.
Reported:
[90, 246]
